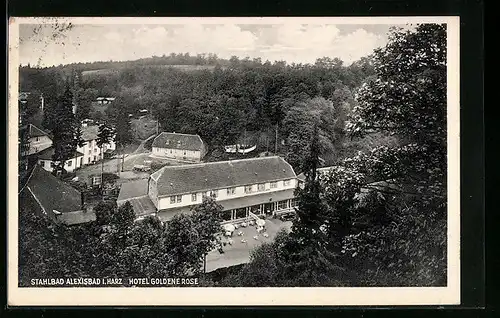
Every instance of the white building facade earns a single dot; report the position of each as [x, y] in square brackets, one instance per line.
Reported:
[46, 162]
[184, 147]
[262, 186]
[90, 150]
[38, 139]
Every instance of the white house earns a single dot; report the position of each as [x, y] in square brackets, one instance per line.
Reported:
[258, 185]
[90, 150]
[183, 147]
[46, 162]
[38, 139]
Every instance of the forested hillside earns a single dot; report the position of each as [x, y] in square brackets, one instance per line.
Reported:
[377, 218]
[232, 100]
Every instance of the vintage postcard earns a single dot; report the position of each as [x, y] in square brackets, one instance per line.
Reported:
[233, 161]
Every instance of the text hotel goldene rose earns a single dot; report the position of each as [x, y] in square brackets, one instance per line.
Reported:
[131, 282]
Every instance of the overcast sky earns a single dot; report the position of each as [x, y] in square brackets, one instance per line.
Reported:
[291, 42]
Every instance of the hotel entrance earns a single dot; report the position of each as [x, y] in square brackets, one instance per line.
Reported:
[256, 209]
[269, 208]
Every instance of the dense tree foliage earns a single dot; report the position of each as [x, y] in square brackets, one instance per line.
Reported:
[116, 245]
[236, 100]
[66, 130]
[378, 217]
[381, 213]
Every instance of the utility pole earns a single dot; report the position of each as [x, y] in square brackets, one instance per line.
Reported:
[123, 156]
[276, 141]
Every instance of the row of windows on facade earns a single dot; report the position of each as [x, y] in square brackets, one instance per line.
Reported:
[229, 191]
[69, 163]
[95, 150]
[170, 151]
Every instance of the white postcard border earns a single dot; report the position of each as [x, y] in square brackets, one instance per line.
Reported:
[187, 296]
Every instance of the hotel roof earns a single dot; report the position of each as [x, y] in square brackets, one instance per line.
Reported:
[178, 141]
[222, 174]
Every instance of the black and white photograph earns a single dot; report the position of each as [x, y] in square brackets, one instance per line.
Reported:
[195, 161]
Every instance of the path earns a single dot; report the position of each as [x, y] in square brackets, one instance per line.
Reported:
[141, 148]
[114, 165]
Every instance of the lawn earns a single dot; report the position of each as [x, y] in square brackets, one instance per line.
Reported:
[143, 127]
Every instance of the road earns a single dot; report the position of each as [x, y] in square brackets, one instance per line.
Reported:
[114, 165]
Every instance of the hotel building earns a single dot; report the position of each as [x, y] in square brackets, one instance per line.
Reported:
[262, 186]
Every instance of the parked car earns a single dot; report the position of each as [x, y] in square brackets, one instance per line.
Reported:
[287, 217]
[141, 168]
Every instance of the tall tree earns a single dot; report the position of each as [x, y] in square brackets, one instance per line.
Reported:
[310, 260]
[407, 99]
[310, 210]
[123, 129]
[180, 242]
[105, 135]
[23, 140]
[65, 131]
[206, 218]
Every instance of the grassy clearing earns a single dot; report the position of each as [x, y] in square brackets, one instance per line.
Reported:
[143, 127]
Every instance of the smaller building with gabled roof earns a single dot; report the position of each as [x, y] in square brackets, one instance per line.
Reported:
[38, 139]
[183, 147]
[46, 162]
[57, 200]
[90, 149]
